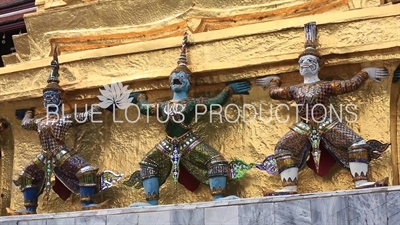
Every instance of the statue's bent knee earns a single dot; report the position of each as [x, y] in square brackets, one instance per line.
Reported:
[285, 160]
[359, 153]
[218, 168]
[25, 180]
[88, 183]
[218, 171]
[87, 176]
[147, 171]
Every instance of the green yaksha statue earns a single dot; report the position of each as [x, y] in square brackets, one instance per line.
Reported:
[191, 160]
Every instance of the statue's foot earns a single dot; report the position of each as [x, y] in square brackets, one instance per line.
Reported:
[102, 205]
[12, 212]
[230, 197]
[140, 204]
[278, 193]
[381, 183]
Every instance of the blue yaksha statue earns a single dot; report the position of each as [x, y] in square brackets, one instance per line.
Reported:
[319, 140]
[182, 152]
[72, 173]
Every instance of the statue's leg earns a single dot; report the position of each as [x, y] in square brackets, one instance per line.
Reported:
[218, 184]
[152, 189]
[155, 167]
[218, 170]
[208, 166]
[87, 177]
[358, 162]
[30, 182]
[290, 155]
[79, 176]
[352, 150]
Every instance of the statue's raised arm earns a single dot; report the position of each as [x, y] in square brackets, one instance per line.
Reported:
[145, 108]
[28, 120]
[275, 90]
[340, 87]
[73, 119]
[236, 87]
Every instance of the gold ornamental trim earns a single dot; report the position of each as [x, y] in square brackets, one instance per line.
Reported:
[235, 32]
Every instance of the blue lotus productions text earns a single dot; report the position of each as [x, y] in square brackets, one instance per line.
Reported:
[231, 113]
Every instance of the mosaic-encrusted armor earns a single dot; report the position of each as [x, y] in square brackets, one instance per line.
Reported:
[182, 152]
[319, 133]
[72, 173]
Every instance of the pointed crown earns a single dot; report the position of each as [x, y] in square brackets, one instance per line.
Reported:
[53, 81]
[310, 31]
[182, 61]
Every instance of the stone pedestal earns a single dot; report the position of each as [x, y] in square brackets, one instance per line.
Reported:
[370, 206]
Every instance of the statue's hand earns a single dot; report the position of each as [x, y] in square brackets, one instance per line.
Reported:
[134, 96]
[265, 81]
[376, 74]
[240, 87]
[20, 113]
[110, 108]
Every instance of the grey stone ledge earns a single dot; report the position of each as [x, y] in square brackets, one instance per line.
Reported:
[305, 205]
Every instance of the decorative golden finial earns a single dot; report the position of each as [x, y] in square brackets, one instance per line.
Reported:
[53, 80]
[310, 31]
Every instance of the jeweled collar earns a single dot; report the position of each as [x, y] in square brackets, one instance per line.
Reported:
[183, 101]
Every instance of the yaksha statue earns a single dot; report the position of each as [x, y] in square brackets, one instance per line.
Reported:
[318, 134]
[72, 173]
[182, 152]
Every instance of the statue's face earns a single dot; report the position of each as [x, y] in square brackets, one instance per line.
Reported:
[179, 82]
[51, 98]
[308, 65]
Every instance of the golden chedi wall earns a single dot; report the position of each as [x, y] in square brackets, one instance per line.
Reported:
[136, 43]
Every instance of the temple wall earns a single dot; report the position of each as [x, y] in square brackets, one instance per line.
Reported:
[350, 39]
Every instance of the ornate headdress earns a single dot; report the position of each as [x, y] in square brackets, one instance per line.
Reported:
[182, 61]
[53, 81]
[310, 31]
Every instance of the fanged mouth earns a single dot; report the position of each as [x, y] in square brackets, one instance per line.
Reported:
[176, 81]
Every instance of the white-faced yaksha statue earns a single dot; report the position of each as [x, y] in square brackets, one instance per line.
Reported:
[317, 136]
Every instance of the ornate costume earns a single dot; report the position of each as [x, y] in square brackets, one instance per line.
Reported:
[191, 160]
[72, 173]
[318, 133]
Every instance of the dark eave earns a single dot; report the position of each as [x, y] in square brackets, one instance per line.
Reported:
[4, 4]
[12, 17]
